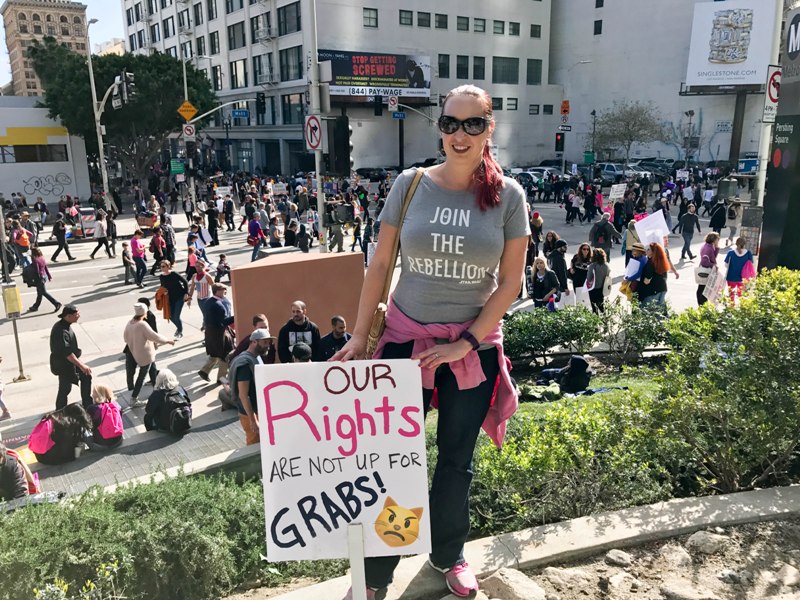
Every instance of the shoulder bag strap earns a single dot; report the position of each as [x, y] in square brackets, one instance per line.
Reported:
[395, 249]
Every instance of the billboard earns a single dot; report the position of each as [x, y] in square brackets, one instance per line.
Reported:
[375, 74]
[731, 43]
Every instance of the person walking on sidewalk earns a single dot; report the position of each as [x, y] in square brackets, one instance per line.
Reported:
[100, 234]
[65, 358]
[687, 224]
[60, 233]
[177, 294]
[127, 262]
[111, 230]
[142, 342]
[138, 253]
[43, 277]
[200, 284]
[157, 248]
[218, 335]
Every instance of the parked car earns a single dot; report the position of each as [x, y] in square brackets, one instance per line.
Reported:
[611, 172]
[552, 162]
[640, 171]
[546, 172]
[527, 178]
[428, 162]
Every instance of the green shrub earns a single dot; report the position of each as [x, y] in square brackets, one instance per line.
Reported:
[539, 331]
[731, 389]
[628, 329]
[187, 537]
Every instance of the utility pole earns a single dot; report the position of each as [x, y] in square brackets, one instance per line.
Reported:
[226, 123]
[96, 110]
[766, 128]
[185, 143]
[316, 106]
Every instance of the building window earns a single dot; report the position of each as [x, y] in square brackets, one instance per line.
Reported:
[186, 50]
[155, 33]
[462, 23]
[173, 52]
[598, 3]
[238, 70]
[292, 109]
[478, 67]
[152, 7]
[533, 109]
[511, 104]
[132, 43]
[291, 61]
[183, 19]
[37, 28]
[51, 29]
[479, 25]
[513, 28]
[64, 29]
[211, 9]
[440, 21]
[200, 44]
[262, 68]
[23, 28]
[289, 18]
[168, 27]
[505, 70]
[233, 5]
[256, 26]
[236, 38]
[406, 17]
[35, 153]
[370, 16]
[137, 11]
[78, 30]
[534, 72]
[444, 66]
[499, 27]
[423, 19]
[198, 14]
[36, 17]
[497, 104]
[213, 39]
[22, 17]
[140, 38]
[547, 109]
[217, 77]
[462, 67]
[165, 3]
[598, 27]
[536, 30]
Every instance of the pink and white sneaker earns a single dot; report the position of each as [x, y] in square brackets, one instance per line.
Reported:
[459, 579]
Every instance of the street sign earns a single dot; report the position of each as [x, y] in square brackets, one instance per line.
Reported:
[176, 166]
[313, 133]
[399, 115]
[565, 127]
[771, 97]
[187, 110]
[392, 102]
[588, 157]
[240, 113]
[565, 107]
[565, 119]
[189, 132]
[723, 126]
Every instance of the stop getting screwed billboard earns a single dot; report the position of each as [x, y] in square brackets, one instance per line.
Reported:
[375, 74]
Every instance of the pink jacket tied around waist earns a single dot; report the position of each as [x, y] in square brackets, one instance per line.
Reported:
[468, 372]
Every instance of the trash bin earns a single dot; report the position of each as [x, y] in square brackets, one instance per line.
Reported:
[727, 188]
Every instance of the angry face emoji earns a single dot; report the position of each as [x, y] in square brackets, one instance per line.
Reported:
[398, 526]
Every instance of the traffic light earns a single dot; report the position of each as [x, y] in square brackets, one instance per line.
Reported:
[559, 142]
[261, 103]
[128, 86]
[340, 146]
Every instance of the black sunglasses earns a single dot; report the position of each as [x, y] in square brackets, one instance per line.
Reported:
[471, 126]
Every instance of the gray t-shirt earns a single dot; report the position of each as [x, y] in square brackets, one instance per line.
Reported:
[450, 248]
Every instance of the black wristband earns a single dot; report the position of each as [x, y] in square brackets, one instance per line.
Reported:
[466, 335]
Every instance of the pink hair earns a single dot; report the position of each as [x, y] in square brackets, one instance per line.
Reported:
[488, 177]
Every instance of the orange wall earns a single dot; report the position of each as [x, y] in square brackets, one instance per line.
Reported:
[329, 284]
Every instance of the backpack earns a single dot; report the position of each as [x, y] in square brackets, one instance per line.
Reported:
[731, 213]
[30, 275]
[178, 413]
[110, 421]
[40, 440]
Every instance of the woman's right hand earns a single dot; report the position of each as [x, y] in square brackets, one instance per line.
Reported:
[354, 349]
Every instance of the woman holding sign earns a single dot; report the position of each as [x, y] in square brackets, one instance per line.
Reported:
[464, 237]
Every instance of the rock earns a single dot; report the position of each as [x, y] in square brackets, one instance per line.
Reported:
[706, 542]
[622, 583]
[719, 530]
[684, 590]
[729, 576]
[567, 578]
[552, 596]
[745, 576]
[511, 584]
[618, 558]
[675, 555]
[788, 576]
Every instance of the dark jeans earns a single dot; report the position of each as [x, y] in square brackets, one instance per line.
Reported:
[141, 269]
[687, 245]
[214, 233]
[175, 309]
[41, 290]
[701, 299]
[65, 383]
[229, 221]
[103, 241]
[597, 299]
[130, 371]
[62, 245]
[461, 414]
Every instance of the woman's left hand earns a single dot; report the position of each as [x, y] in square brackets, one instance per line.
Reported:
[443, 353]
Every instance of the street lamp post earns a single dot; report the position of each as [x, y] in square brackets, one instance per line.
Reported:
[690, 114]
[594, 132]
[97, 114]
[226, 123]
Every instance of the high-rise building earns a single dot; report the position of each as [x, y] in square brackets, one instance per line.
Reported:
[29, 20]
[247, 47]
[112, 46]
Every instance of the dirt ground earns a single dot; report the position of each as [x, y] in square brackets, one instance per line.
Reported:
[754, 561]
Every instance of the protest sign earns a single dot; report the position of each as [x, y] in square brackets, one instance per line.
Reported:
[279, 189]
[652, 228]
[223, 190]
[343, 443]
[617, 191]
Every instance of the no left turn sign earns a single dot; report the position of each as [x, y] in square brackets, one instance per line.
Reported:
[313, 133]
[392, 102]
[189, 132]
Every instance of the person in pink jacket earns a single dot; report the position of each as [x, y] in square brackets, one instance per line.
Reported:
[142, 342]
[463, 243]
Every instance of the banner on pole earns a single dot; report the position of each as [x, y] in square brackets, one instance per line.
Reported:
[343, 443]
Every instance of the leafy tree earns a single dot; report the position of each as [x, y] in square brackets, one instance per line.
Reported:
[139, 129]
[628, 123]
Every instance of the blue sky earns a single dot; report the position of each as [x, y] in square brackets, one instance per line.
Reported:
[109, 25]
